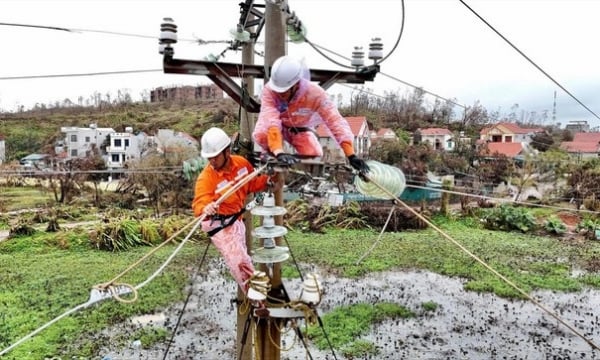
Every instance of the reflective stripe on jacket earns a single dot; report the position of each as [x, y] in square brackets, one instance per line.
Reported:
[211, 184]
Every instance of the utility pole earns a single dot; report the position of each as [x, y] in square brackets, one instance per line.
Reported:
[245, 333]
[268, 335]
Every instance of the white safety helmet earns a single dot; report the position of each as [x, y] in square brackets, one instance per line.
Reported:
[286, 72]
[213, 142]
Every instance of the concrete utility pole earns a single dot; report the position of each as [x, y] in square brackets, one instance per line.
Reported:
[268, 336]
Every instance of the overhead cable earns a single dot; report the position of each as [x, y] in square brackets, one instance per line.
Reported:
[530, 61]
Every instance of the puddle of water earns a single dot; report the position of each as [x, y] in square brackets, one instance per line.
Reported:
[465, 325]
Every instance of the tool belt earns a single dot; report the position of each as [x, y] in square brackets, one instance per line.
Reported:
[225, 221]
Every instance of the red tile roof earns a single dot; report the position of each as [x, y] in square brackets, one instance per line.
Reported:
[511, 128]
[582, 143]
[355, 123]
[435, 131]
[587, 137]
[508, 149]
[579, 147]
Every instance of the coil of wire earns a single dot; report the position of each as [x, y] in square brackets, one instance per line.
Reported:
[388, 177]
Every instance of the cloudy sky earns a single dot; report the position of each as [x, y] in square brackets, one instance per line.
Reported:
[547, 49]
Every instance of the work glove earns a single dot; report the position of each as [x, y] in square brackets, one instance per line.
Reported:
[286, 159]
[358, 163]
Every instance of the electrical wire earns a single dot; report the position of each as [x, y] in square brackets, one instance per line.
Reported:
[318, 48]
[74, 30]
[529, 60]
[99, 73]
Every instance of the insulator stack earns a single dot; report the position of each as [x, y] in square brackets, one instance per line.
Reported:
[376, 49]
[168, 35]
[270, 252]
[358, 57]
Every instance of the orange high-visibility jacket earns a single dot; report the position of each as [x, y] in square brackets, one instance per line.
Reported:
[211, 184]
[309, 107]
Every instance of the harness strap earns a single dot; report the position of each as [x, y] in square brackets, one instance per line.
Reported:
[226, 221]
[298, 129]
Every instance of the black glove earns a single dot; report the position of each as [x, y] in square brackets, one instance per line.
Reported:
[358, 163]
[286, 159]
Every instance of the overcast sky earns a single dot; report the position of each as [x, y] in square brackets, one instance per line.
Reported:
[445, 49]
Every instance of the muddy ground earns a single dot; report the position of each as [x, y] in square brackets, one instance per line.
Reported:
[465, 325]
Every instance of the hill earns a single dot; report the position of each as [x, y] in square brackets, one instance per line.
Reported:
[37, 130]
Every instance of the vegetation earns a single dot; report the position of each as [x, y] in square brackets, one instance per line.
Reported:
[45, 273]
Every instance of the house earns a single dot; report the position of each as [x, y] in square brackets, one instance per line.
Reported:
[506, 132]
[129, 146]
[168, 140]
[438, 138]
[383, 134]
[116, 148]
[81, 141]
[576, 126]
[583, 146]
[362, 140]
[200, 92]
[125, 146]
[36, 161]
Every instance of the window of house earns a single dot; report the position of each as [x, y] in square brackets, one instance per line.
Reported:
[87, 139]
[118, 143]
[126, 142]
[508, 139]
[74, 138]
[114, 158]
[73, 152]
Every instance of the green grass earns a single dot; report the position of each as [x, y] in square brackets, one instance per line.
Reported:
[48, 273]
[25, 197]
[40, 280]
[344, 325]
[530, 262]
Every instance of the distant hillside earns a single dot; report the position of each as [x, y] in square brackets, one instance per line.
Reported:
[36, 131]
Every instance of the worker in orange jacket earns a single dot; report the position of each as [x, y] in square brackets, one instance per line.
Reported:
[223, 221]
[291, 108]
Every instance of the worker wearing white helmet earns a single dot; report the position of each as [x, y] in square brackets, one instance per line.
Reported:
[223, 222]
[291, 108]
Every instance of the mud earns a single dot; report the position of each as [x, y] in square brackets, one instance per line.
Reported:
[465, 325]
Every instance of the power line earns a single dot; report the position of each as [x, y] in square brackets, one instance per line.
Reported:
[46, 27]
[530, 61]
[99, 73]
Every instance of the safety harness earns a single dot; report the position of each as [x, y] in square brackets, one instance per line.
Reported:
[226, 220]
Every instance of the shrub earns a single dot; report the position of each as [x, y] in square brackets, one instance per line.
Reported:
[554, 225]
[588, 228]
[509, 218]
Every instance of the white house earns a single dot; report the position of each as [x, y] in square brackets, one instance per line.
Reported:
[506, 132]
[80, 141]
[438, 138]
[126, 146]
[362, 139]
